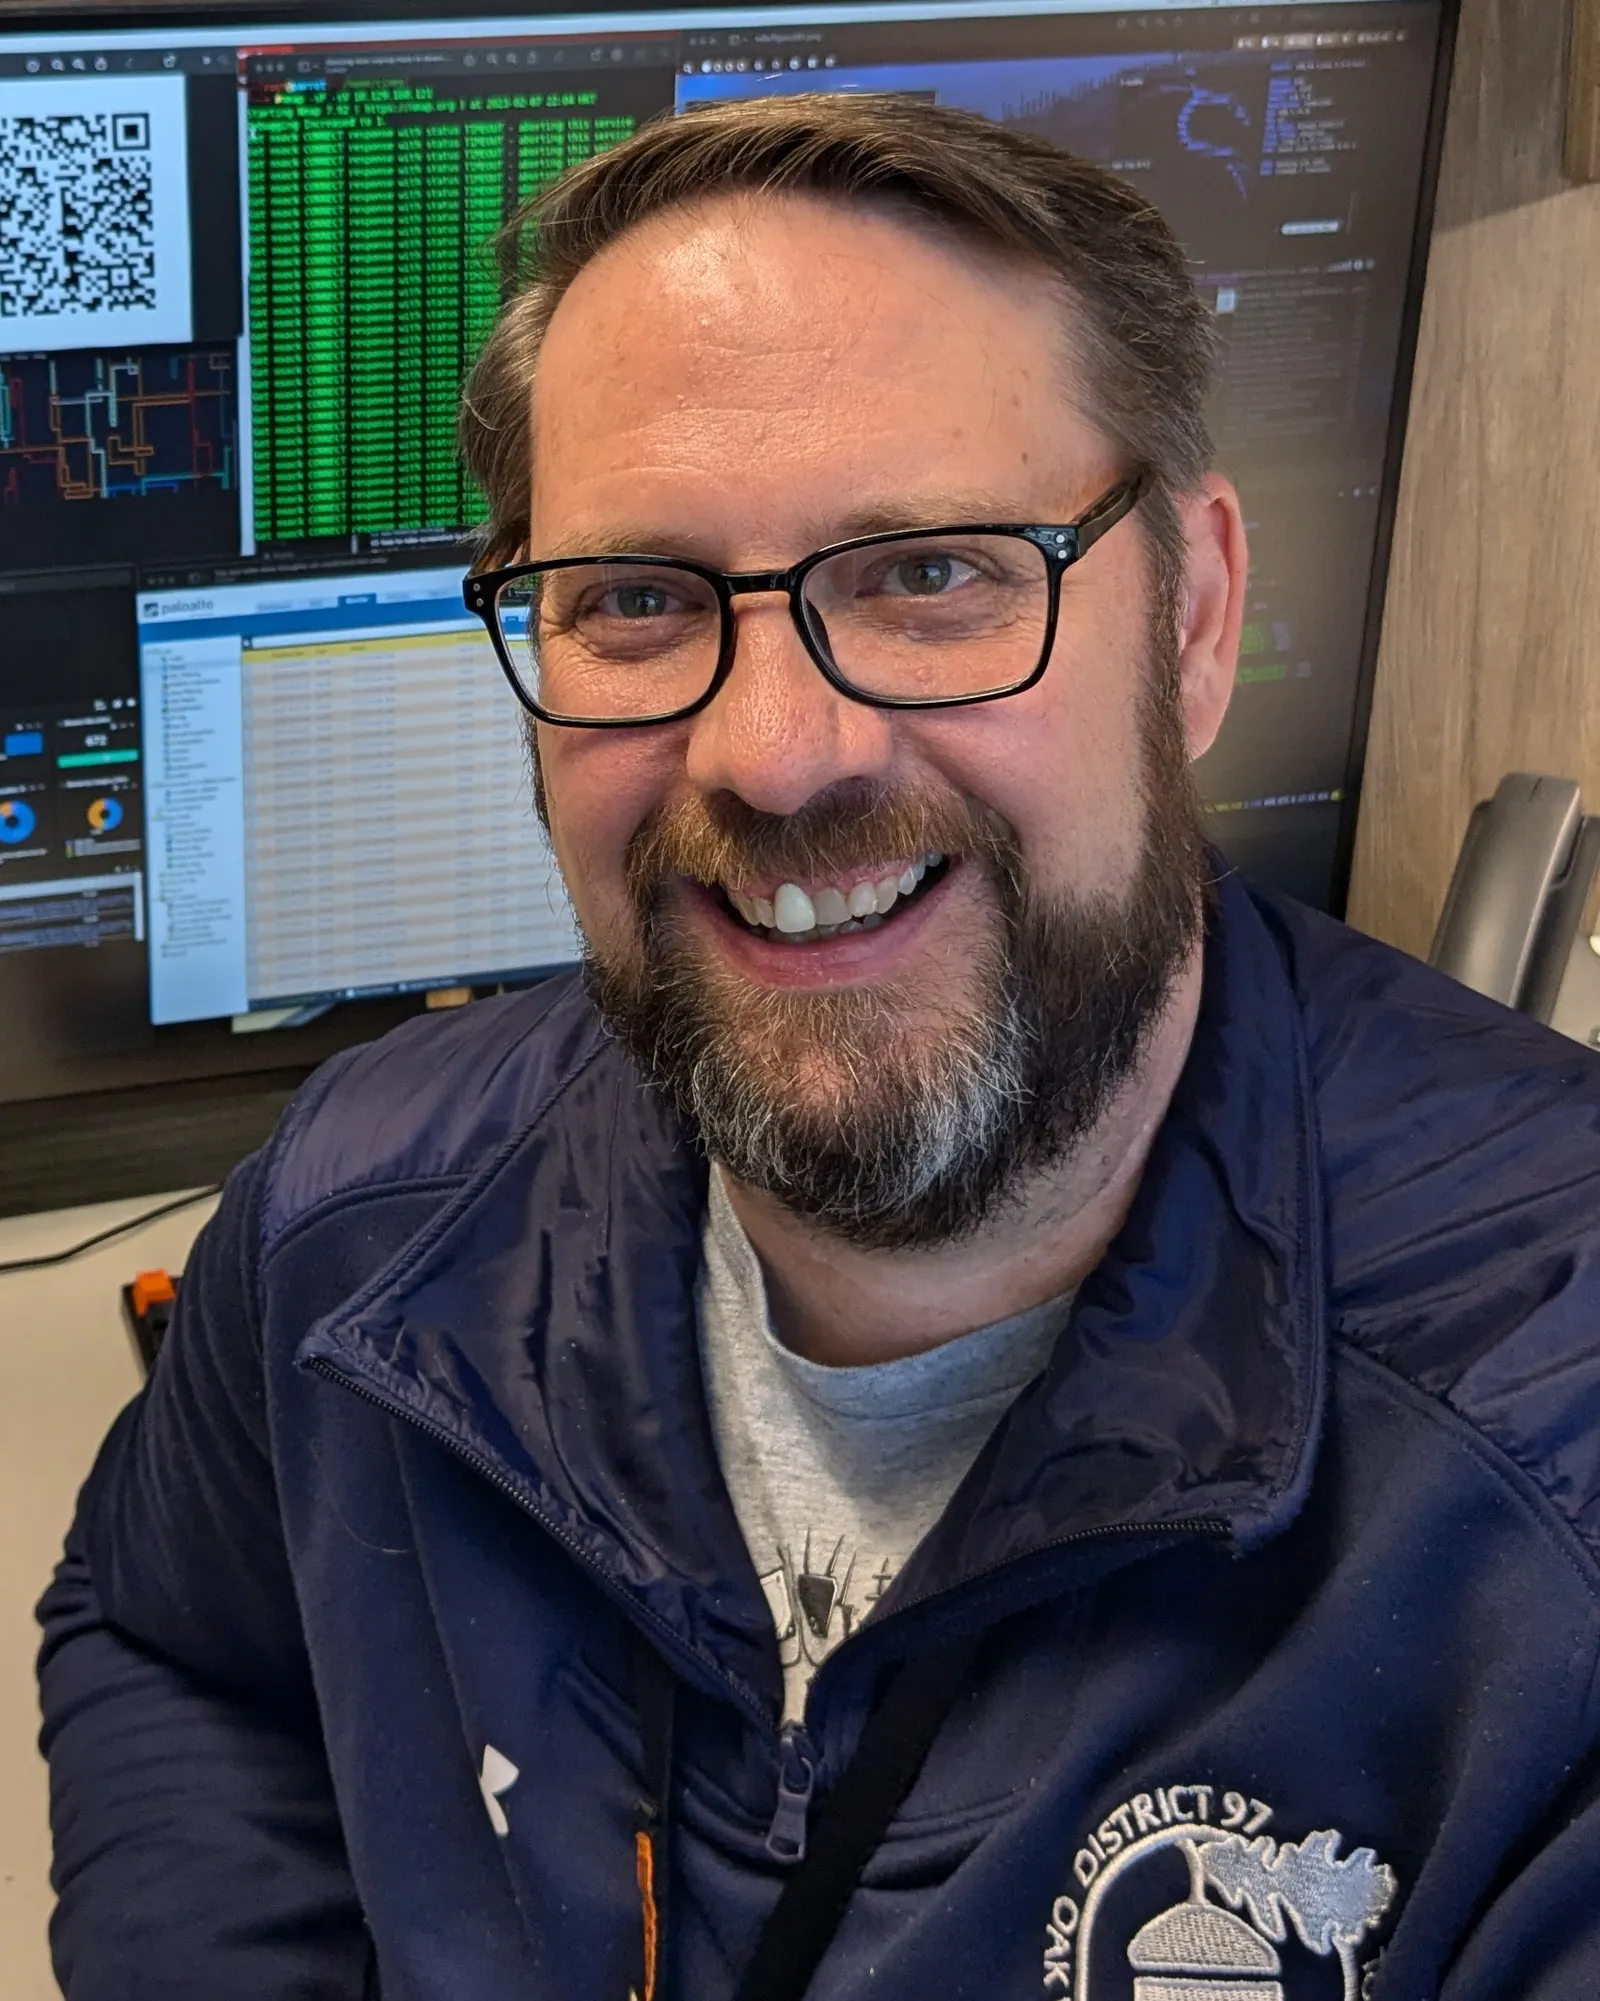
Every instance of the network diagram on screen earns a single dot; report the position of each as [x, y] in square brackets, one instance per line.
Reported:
[249, 745]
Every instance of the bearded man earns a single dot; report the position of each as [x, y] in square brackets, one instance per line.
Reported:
[978, 1410]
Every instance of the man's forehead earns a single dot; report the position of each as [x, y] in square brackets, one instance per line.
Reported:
[798, 337]
[766, 295]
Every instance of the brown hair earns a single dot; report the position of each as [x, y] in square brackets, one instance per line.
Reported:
[1140, 332]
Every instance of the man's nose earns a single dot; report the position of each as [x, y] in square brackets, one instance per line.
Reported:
[777, 732]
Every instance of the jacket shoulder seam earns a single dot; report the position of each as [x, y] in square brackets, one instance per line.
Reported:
[460, 1183]
[1520, 1480]
[353, 1196]
[379, 1176]
[289, 1128]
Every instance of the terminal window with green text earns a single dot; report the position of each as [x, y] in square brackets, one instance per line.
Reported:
[251, 755]
[374, 201]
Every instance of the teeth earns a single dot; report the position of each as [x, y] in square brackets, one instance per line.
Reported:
[798, 916]
[792, 909]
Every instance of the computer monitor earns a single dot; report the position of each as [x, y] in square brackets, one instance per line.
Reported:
[256, 759]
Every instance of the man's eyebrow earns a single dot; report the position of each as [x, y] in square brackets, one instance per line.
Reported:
[949, 510]
[881, 518]
[618, 539]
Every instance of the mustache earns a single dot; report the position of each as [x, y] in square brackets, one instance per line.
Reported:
[721, 838]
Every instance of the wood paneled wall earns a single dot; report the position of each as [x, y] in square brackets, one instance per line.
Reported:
[1490, 660]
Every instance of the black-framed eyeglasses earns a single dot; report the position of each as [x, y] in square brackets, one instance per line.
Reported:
[925, 618]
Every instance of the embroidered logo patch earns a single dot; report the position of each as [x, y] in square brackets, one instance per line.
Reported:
[1180, 1896]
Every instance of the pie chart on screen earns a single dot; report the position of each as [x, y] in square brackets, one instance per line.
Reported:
[104, 815]
[17, 821]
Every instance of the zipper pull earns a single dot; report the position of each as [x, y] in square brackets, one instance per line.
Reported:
[797, 1779]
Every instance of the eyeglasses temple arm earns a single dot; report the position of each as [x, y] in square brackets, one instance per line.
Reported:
[1110, 509]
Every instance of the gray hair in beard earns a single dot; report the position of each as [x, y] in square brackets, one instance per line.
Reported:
[919, 1140]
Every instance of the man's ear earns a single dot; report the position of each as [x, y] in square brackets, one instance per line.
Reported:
[1213, 607]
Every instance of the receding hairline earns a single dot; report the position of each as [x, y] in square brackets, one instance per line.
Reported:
[981, 257]
[947, 233]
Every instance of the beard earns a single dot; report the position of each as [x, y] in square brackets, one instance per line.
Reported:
[895, 1116]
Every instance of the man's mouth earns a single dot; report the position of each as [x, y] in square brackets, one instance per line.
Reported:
[798, 915]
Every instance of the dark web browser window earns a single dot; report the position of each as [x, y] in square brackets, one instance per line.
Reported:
[247, 270]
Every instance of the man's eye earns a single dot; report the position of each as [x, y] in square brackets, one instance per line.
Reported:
[933, 573]
[636, 601]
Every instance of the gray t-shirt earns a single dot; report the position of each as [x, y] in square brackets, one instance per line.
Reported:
[837, 1474]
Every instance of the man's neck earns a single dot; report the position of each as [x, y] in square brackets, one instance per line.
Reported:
[844, 1306]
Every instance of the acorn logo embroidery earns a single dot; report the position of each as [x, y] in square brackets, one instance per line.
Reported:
[1255, 1908]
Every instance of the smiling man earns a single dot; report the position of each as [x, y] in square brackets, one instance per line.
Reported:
[978, 1410]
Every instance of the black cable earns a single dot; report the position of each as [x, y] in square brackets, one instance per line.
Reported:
[105, 1236]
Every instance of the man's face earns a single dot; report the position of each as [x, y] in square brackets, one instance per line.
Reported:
[744, 383]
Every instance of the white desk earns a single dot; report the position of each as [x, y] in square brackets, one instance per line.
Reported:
[66, 1368]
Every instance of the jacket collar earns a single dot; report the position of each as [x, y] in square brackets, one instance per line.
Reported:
[543, 1326]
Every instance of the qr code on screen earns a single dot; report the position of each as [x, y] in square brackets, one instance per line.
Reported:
[76, 214]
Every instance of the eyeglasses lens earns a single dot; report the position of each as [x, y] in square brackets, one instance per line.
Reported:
[612, 641]
[919, 618]
[931, 618]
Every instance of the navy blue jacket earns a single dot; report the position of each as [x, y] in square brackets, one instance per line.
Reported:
[1286, 1565]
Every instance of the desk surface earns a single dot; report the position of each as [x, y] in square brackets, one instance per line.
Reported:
[66, 1368]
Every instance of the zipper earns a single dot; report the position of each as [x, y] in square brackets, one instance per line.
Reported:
[1215, 1526]
[797, 1756]
[1211, 1525]
[798, 1760]
[629, 1605]
[797, 1781]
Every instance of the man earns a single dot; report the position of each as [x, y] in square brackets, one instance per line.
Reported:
[983, 1411]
